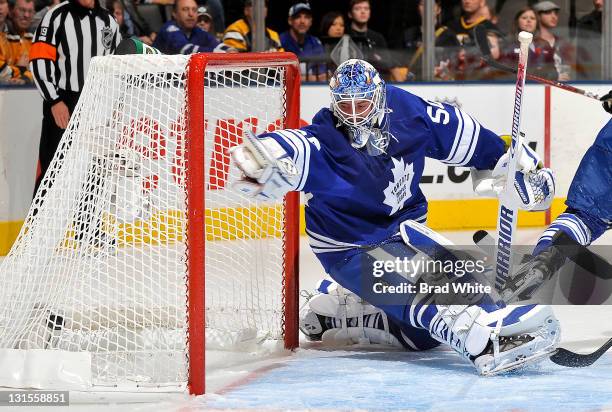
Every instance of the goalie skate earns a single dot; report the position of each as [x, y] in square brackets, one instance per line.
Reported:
[501, 340]
[508, 353]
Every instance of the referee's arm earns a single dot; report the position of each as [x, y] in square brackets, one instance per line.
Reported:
[43, 56]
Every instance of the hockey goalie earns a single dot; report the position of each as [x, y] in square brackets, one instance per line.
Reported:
[359, 165]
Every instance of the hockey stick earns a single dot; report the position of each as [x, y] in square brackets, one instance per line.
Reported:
[480, 37]
[561, 356]
[485, 241]
[507, 215]
[497, 65]
[571, 359]
[580, 255]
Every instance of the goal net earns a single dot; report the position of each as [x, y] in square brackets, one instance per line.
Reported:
[135, 247]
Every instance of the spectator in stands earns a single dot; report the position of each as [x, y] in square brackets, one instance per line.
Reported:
[137, 23]
[331, 32]
[182, 35]
[234, 9]
[474, 13]
[306, 47]
[592, 21]
[562, 50]
[216, 11]
[41, 13]
[205, 21]
[238, 35]
[589, 43]
[6, 73]
[118, 11]
[372, 44]
[21, 13]
[332, 29]
[491, 14]
[333, 24]
[446, 44]
[541, 62]
[4, 11]
[526, 19]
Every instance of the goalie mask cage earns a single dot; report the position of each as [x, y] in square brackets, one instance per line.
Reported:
[136, 247]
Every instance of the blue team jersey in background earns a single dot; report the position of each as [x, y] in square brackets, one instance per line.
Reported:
[312, 47]
[354, 199]
[591, 188]
[172, 40]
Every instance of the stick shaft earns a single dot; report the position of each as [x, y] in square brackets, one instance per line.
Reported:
[507, 216]
[491, 62]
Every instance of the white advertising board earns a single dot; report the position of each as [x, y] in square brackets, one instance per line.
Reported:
[20, 122]
[574, 123]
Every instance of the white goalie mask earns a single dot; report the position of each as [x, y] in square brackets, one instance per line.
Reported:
[358, 101]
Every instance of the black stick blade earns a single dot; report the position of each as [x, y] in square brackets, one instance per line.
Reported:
[479, 235]
[582, 256]
[571, 359]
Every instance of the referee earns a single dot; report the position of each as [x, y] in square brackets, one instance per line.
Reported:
[67, 38]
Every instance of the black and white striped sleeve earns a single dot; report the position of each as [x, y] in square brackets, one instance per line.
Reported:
[44, 55]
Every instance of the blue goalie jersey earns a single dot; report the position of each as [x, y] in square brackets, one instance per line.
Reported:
[354, 199]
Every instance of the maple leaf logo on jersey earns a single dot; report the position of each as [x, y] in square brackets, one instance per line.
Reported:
[398, 190]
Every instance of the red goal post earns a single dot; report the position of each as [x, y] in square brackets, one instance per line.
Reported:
[196, 68]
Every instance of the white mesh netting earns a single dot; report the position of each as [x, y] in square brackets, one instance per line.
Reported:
[100, 265]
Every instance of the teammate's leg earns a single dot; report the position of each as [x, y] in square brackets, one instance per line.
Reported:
[588, 216]
[589, 212]
[580, 225]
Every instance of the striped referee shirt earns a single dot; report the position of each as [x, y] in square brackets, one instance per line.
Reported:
[65, 41]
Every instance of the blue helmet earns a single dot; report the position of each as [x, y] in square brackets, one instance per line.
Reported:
[357, 94]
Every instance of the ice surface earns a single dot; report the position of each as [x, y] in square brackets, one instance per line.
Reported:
[436, 380]
[374, 379]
